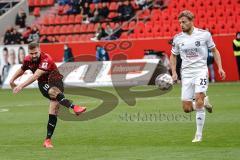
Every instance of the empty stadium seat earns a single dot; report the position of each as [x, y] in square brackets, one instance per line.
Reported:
[36, 11]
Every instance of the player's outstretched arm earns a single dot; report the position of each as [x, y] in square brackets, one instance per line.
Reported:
[217, 59]
[17, 74]
[173, 62]
[30, 80]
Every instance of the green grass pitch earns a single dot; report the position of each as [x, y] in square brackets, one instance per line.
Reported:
[116, 136]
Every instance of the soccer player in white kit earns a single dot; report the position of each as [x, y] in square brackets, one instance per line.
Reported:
[192, 44]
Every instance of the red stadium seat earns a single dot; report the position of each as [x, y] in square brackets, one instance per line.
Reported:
[140, 24]
[157, 31]
[50, 2]
[221, 20]
[83, 28]
[113, 6]
[71, 19]
[51, 20]
[212, 20]
[43, 30]
[125, 25]
[104, 25]
[231, 27]
[64, 19]
[143, 13]
[221, 8]
[92, 7]
[77, 28]
[140, 35]
[45, 20]
[112, 25]
[90, 27]
[36, 12]
[63, 29]
[132, 25]
[135, 6]
[78, 19]
[31, 3]
[57, 20]
[132, 36]
[223, 29]
[69, 28]
[69, 38]
[75, 38]
[44, 3]
[50, 30]
[175, 29]
[56, 30]
[112, 15]
[37, 3]
[62, 39]
[96, 26]
[124, 35]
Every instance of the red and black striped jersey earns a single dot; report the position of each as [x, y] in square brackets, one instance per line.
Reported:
[45, 63]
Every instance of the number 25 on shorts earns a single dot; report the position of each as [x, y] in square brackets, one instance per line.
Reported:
[203, 81]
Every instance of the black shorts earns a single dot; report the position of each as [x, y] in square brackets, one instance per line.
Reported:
[52, 82]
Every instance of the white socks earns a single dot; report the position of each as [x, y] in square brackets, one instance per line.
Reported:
[200, 119]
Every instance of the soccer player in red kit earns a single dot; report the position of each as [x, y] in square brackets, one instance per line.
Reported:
[49, 82]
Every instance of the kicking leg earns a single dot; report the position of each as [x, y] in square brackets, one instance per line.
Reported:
[55, 93]
[207, 104]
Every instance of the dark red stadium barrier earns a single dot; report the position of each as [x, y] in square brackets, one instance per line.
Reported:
[134, 49]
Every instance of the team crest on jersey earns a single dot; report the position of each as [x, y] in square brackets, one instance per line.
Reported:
[197, 43]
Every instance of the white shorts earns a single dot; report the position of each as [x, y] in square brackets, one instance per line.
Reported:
[195, 84]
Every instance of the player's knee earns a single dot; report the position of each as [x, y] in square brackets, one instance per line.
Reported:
[199, 102]
[53, 92]
[54, 111]
[187, 110]
[187, 107]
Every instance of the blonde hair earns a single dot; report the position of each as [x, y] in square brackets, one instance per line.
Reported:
[186, 13]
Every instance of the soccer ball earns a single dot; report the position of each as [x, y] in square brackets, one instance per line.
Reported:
[164, 81]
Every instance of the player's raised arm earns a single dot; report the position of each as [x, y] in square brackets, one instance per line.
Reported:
[30, 80]
[17, 74]
[217, 59]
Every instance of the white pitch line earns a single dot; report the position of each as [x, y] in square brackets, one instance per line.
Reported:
[4, 110]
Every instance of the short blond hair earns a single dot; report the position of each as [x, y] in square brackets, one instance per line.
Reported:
[186, 13]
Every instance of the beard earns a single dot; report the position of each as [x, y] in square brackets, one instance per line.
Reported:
[35, 59]
[186, 30]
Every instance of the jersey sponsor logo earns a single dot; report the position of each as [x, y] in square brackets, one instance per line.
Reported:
[191, 53]
[44, 65]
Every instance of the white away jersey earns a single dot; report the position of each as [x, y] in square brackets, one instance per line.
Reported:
[193, 49]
